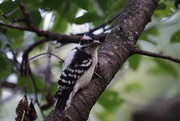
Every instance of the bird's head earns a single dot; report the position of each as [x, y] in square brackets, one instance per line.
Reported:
[89, 41]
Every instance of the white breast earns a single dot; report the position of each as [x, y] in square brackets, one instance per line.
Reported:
[87, 76]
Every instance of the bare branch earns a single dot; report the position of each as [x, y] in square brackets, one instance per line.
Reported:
[157, 55]
[24, 62]
[15, 26]
[14, 60]
[7, 84]
[35, 90]
[28, 19]
[51, 35]
[60, 60]
[10, 13]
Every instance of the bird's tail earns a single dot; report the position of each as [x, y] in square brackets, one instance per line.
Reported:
[61, 99]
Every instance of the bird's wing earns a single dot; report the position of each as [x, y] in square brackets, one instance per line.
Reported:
[72, 71]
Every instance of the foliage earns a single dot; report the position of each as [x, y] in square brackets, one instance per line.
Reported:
[162, 35]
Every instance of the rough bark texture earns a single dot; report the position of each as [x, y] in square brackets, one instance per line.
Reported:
[114, 52]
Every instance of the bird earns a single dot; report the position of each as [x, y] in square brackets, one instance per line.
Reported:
[77, 71]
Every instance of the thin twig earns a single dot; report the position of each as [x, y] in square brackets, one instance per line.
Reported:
[61, 60]
[157, 55]
[15, 26]
[26, 13]
[106, 29]
[26, 53]
[35, 90]
[17, 20]
[10, 13]
[48, 73]
[15, 61]
[6, 84]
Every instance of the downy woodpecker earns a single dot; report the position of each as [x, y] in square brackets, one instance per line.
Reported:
[77, 71]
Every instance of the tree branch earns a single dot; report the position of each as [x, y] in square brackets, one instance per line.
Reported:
[28, 19]
[50, 54]
[25, 59]
[114, 52]
[15, 26]
[52, 35]
[7, 84]
[157, 55]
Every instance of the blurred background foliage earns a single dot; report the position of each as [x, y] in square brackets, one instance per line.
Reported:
[141, 81]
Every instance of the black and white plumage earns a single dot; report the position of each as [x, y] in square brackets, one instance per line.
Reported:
[77, 71]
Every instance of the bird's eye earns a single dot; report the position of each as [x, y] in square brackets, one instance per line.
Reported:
[84, 42]
[87, 41]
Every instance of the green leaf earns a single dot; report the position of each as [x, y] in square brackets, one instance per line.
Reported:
[60, 24]
[1, 12]
[36, 16]
[116, 6]
[15, 37]
[176, 37]
[39, 82]
[27, 2]
[161, 6]
[30, 87]
[3, 63]
[53, 89]
[52, 4]
[70, 15]
[134, 61]
[7, 6]
[153, 31]
[100, 7]
[10, 9]
[132, 87]
[84, 4]
[164, 9]
[87, 17]
[110, 100]
[3, 41]
[167, 68]
[22, 83]
[4, 67]
[103, 5]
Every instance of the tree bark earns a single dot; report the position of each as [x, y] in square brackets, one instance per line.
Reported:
[118, 46]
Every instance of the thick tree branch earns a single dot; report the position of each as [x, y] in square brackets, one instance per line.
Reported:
[52, 35]
[115, 51]
[157, 55]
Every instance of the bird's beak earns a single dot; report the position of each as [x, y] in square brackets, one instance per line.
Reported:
[97, 42]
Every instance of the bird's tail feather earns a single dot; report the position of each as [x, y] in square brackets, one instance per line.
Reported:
[61, 99]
